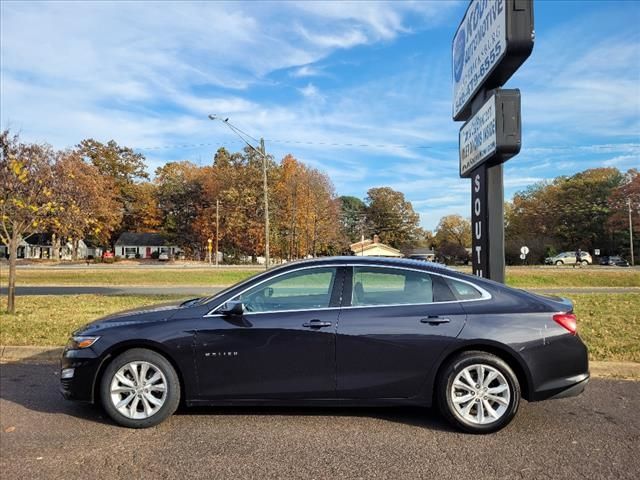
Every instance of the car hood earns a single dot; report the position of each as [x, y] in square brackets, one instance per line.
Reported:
[152, 313]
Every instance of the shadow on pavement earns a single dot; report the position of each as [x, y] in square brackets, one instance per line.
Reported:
[34, 384]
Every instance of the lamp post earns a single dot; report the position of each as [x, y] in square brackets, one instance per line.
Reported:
[262, 153]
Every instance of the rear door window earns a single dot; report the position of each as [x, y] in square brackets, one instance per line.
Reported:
[393, 286]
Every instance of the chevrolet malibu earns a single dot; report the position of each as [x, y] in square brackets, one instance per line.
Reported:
[335, 331]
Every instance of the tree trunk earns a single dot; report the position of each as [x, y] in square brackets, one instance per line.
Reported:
[11, 288]
[55, 246]
[74, 246]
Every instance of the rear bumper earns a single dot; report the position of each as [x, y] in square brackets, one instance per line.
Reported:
[573, 390]
[562, 388]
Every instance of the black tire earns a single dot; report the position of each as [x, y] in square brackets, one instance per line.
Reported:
[171, 395]
[445, 383]
[559, 262]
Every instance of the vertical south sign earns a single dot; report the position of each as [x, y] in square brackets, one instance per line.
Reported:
[479, 223]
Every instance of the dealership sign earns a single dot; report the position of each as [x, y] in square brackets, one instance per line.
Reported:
[494, 38]
[492, 135]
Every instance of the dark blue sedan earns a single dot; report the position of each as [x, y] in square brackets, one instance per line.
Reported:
[335, 331]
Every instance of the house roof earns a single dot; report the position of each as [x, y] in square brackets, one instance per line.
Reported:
[143, 239]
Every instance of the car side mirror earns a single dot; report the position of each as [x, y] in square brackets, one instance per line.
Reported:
[232, 308]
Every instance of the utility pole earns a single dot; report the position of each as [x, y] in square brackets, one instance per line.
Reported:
[263, 154]
[217, 227]
[630, 232]
[266, 203]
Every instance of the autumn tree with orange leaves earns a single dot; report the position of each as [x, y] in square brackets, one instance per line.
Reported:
[26, 196]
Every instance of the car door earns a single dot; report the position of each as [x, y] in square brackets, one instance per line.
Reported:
[282, 347]
[391, 333]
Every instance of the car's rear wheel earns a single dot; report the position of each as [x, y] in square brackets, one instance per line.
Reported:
[585, 262]
[478, 392]
[140, 388]
[559, 262]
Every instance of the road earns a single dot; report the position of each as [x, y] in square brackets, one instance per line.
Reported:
[199, 290]
[596, 436]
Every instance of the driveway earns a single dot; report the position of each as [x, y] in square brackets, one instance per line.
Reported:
[596, 435]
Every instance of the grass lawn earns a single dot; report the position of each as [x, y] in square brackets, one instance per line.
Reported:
[141, 277]
[608, 323]
[517, 277]
[572, 277]
[49, 319]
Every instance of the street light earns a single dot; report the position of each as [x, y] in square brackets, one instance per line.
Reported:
[262, 153]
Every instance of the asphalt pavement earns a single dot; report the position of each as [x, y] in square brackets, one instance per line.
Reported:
[595, 436]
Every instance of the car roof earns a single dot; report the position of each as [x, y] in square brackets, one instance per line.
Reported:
[377, 261]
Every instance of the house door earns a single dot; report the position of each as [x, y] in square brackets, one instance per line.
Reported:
[148, 254]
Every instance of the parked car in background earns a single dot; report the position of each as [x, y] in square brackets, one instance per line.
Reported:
[163, 257]
[614, 260]
[410, 333]
[107, 254]
[569, 258]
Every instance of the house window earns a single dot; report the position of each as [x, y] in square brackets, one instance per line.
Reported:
[130, 252]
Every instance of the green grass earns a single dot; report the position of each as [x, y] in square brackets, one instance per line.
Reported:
[49, 319]
[143, 276]
[570, 277]
[520, 277]
[609, 324]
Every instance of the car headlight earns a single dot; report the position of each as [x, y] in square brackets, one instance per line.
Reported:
[80, 342]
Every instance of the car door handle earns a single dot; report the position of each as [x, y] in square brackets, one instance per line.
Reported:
[316, 324]
[435, 320]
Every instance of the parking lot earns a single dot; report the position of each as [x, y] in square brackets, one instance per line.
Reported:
[596, 435]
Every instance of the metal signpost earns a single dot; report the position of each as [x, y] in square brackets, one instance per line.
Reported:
[494, 38]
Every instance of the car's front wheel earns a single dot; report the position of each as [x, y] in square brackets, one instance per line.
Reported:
[559, 262]
[140, 388]
[478, 392]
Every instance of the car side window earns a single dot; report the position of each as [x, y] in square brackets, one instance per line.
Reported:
[300, 290]
[464, 291]
[392, 286]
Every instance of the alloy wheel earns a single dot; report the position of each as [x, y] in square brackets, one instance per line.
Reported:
[138, 390]
[480, 394]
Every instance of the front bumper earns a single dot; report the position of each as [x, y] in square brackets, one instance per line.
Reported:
[85, 364]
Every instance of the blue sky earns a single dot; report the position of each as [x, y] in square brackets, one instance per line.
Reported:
[304, 75]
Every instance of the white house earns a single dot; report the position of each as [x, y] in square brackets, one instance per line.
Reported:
[40, 246]
[373, 248]
[143, 245]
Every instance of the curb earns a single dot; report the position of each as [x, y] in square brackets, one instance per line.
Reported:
[8, 353]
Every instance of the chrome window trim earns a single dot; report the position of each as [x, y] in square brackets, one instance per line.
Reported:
[485, 295]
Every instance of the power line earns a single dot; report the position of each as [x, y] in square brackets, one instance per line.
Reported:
[289, 142]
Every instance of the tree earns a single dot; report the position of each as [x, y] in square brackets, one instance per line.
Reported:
[145, 214]
[26, 196]
[453, 236]
[392, 217]
[125, 167]
[180, 198]
[353, 218]
[623, 198]
[563, 214]
[87, 202]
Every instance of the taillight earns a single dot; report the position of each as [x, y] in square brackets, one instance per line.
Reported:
[568, 321]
